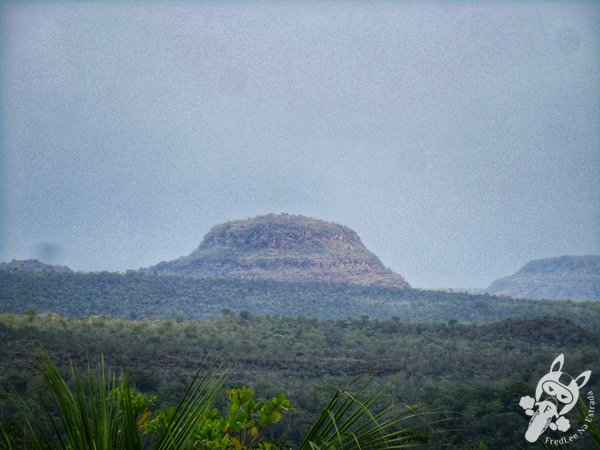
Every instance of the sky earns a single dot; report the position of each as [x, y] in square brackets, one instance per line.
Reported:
[458, 139]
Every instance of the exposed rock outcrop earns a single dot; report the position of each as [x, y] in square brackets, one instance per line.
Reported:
[286, 248]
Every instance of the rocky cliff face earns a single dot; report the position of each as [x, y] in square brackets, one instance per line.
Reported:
[566, 277]
[285, 248]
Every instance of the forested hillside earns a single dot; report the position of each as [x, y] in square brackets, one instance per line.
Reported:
[479, 371]
[135, 295]
[471, 356]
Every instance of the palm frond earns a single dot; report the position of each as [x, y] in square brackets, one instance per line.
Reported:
[5, 440]
[94, 414]
[194, 405]
[349, 421]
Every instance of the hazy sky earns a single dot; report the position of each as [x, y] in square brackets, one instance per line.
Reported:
[459, 139]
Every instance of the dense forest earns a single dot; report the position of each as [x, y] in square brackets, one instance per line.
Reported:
[477, 372]
[135, 295]
[465, 357]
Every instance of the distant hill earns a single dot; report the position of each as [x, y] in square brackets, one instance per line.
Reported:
[32, 265]
[566, 277]
[284, 248]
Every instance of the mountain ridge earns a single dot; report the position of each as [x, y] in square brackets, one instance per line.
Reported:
[563, 277]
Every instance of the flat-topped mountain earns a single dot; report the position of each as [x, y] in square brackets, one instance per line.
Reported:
[31, 265]
[285, 248]
[565, 277]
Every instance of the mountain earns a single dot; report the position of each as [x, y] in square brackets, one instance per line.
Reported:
[565, 277]
[284, 248]
[32, 265]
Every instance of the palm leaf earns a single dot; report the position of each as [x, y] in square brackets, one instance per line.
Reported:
[349, 421]
[86, 416]
[196, 402]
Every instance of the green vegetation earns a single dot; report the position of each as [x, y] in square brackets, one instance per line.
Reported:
[102, 412]
[479, 371]
[135, 295]
[347, 422]
[475, 355]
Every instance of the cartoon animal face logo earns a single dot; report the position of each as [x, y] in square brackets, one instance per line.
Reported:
[561, 386]
[556, 394]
